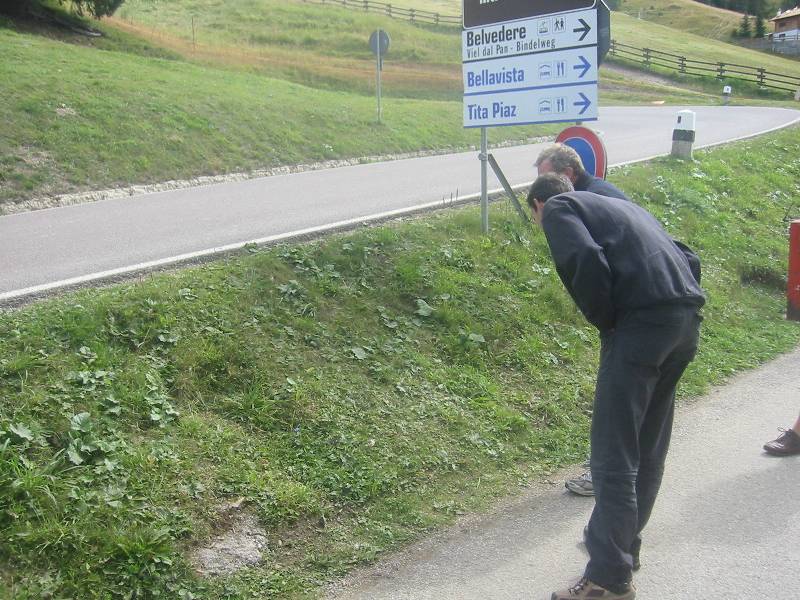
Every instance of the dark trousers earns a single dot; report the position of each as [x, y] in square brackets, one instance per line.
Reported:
[641, 362]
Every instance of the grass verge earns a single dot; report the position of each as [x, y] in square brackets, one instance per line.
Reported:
[350, 392]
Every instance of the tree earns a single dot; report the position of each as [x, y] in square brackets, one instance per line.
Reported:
[744, 29]
[761, 27]
[96, 8]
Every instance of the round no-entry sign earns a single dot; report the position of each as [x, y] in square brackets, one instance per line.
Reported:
[589, 147]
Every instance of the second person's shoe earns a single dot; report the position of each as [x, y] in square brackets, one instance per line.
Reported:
[786, 444]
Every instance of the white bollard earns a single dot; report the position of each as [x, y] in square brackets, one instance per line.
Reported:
[683, 135]
[726, 95]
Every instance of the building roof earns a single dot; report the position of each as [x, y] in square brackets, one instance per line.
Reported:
[792, 12]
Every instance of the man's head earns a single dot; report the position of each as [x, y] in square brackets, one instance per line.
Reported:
[545, 187]
[560, 159]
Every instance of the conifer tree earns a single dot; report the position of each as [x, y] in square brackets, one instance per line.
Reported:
[744, 28]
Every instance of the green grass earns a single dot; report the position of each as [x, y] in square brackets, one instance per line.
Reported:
[644, 34]
[685, 15]
[352, 390]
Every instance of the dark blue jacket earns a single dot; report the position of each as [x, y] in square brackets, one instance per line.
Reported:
[590, 183]
[613, 257]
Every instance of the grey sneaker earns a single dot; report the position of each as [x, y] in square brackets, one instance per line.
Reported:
[581, 485]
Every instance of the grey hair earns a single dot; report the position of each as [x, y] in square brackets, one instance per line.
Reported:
[562, 156]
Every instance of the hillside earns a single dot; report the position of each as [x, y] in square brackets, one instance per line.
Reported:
[639, 33]
[685, 15]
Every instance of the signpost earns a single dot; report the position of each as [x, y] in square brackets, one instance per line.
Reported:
[540, 70]
[530, 61]
[379, 43]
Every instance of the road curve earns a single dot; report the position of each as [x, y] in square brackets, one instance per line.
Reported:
[54, 248]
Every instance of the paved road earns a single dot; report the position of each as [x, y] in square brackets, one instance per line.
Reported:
[726, 525]
[52, 248]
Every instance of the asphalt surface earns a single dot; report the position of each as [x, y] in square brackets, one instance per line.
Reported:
[53, 248]
[725, 527]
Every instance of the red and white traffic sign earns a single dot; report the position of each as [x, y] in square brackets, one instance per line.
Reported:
[589, 147]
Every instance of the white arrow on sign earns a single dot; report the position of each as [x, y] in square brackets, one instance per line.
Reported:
[524, 107]
[552, 69]
[530, 36]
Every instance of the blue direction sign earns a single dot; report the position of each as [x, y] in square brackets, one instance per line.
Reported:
[488, 12]
[535, 70]
[531, 71]
[541, 105]
[531, 36]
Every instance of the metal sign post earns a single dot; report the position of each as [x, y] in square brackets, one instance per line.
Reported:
[378, 82]
[484, 158]
[379, 43]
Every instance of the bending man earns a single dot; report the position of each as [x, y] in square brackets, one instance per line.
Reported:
[641, 290]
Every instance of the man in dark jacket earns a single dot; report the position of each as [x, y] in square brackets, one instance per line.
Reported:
[564, 160]
[561, 159]
[642, 292]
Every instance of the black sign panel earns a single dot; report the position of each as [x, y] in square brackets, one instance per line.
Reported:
[489, 12]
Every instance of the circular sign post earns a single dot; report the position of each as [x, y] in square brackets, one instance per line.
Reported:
[589, 147]
[379, 43]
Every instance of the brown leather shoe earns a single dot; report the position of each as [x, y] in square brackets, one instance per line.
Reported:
[589, 590]
[785, 444]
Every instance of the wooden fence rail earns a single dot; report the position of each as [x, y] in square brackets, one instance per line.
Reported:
[758, 75]
[396, 12]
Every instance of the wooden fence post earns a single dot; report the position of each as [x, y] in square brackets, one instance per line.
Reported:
[682, 66]
[412, 15]
[721, 70]
[761, 76]
[646, 52]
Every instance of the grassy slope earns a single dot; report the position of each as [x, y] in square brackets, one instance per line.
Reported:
[642, 34]
[685, 15]
[152, 113]
[349, 390]
[321, 46]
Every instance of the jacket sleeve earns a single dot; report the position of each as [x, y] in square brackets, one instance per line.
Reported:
[694, 260]
[581, 263]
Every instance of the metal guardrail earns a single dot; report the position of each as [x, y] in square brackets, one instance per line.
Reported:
[649, 57]
[396, 12]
